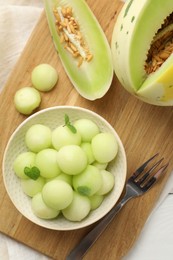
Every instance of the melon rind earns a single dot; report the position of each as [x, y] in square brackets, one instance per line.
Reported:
[135, 28]
[92, 79]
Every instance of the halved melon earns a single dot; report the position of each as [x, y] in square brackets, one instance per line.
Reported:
[142, 49]
[93, 77]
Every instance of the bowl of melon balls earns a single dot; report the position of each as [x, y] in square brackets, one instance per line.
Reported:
[64, 167]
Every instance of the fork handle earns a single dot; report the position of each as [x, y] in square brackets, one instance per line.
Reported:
[80, 250]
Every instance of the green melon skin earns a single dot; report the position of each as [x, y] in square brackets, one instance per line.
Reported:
[92, 79]
[136, 25]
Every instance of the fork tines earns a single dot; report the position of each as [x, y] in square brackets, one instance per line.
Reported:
[145, 179]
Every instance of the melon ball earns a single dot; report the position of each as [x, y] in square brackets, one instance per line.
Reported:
[41, 210]
[31, 187]
[62, 136]
[25, 159]
[105, 147]
[96, 201]
[46, 161]
[44, 77]
[78, 209]
[88, 182]
[72, 159]
[65, 177]
[87, 128]
[57, 194]
[108, 182]
[38, 137]
[26, 100]
[86, 147]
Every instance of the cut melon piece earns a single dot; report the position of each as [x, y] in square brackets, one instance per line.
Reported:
[138, 26]
[159, 85]
[92, 78]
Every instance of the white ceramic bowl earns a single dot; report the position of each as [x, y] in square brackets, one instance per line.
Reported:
[53, 117]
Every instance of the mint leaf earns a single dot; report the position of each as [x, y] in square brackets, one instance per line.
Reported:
[67, 120]
[72, 128]
[84, 190]
[69, 125]
[32, 173]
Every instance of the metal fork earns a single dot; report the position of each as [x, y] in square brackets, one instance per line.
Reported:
[137, 184]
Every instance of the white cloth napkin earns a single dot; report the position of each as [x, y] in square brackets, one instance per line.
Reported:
[17, 20]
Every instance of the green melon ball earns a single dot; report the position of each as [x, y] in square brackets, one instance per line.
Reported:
[25, 159]
[46, 161]
[87, 128]
[65, 177]
[26, 100]
[57, 194]
[72, 159]
[44, 77]
[38, 137]
[105, 147]
[62, 136]
[78, 209]
[41, 210]
[96, 201]
[88, 182]
[107, 184]
[100, 166]
[86, 147]
[31, 187]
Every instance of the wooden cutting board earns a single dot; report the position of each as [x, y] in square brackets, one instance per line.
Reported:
[143, 128]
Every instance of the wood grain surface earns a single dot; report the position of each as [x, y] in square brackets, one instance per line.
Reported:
[143, 128]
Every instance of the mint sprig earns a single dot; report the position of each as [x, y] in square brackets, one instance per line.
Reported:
[32, 173]
[69, 125]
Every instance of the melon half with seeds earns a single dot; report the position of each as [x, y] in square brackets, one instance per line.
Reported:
[142, 49]
[82, 46]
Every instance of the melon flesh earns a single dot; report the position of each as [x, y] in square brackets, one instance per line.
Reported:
[159, 85]
[135, 28]
[93, 79]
